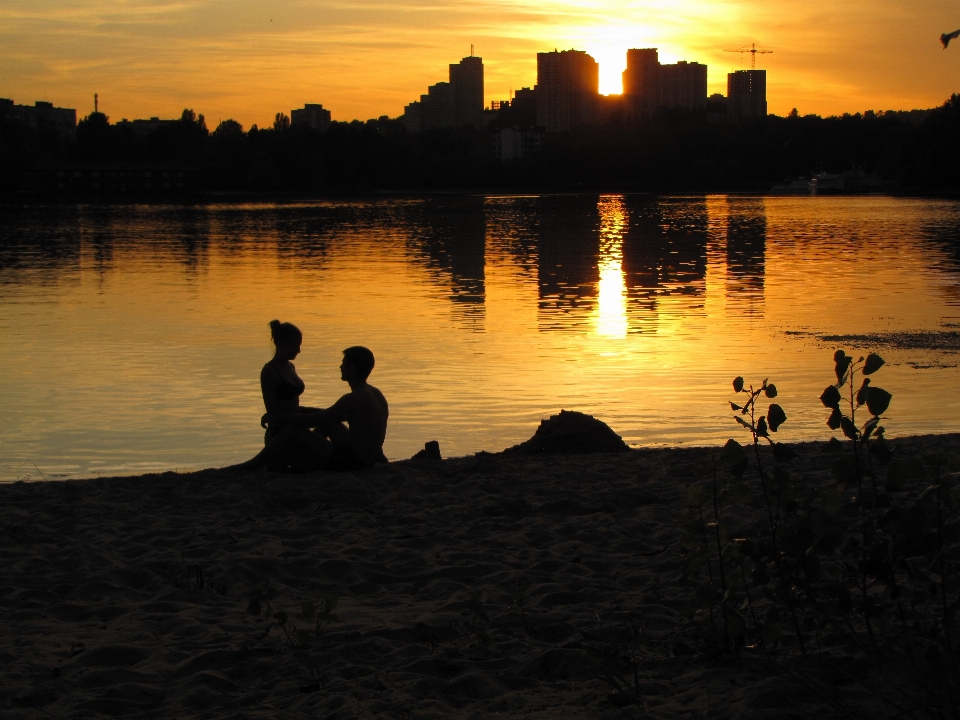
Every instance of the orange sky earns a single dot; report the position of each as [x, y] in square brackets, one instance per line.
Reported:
[248, 59]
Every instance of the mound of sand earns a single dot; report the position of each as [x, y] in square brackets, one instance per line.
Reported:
[571, 433]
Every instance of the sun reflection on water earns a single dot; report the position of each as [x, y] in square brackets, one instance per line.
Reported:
[612, 290]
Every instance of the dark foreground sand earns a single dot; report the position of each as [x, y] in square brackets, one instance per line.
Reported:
[101, 613]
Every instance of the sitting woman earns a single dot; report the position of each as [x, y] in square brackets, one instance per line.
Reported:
[288, 443]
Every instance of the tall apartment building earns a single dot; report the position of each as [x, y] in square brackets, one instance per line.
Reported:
[311, 115]
[450, 104]
[567, 89]
[40, 115]
[648, 85]
[683, 85]
[466, 81]
[746, 94]
[641, 80]
[524, 107]
[437, 107]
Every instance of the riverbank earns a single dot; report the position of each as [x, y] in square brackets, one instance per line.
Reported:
[138, 596]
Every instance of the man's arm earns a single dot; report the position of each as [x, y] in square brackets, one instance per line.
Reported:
[314, 417]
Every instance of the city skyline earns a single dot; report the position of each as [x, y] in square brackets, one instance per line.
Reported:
[153, 57]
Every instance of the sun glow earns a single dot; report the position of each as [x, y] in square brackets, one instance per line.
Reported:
[612, 290]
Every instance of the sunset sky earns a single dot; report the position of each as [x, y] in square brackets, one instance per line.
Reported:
[248, 59]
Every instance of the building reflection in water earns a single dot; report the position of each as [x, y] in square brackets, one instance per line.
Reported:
[943, 233]
[665, 259]
[569, 245]
[612, 290]
[746, 231]
[611, 264]
[450, 237]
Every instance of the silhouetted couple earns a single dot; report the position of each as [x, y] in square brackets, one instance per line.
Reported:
[348, 435]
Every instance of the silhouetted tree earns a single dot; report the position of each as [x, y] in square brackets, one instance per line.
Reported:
[670, 151]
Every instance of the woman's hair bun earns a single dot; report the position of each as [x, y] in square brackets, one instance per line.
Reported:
[282, 332]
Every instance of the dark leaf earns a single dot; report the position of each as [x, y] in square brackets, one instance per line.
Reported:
[253, 608]
[741, 495]
[862, 392]
[880, 449]
[743, 422]
[762, 427]
[844, 470]
[844, 600]
[838, 356]
[830, 397]
[783, 453]
[734, 406]
[874, 362]
[771, 391]
[697, 496]
[841, 368]
[878, 400]
[832, 502]
[735, 625]
[781, 476]
[868, 427]
[281, 616]
[738, 384]
[849, 429]
[833, 422]
[739, 467]
[330, 602]
[775, 416]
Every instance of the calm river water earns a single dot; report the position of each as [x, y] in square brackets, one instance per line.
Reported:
[133, 336]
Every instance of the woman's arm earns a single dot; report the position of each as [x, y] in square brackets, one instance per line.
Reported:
[269, 380]
[300, 418]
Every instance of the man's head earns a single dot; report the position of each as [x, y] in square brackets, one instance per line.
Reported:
[358, 361]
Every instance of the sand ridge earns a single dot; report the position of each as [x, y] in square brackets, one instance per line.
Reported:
[102, 612]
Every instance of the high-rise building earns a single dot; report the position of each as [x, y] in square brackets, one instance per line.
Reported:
[524, 108]
[746, 94]
[311, 115]
[437, 107]
[41, 115]
[683, 85]
[648, 85]
[411, 116]
[450, 104]
[641, 80]
[466, 81]
[568, 85]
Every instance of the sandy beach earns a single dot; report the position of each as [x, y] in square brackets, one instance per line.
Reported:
[138, 596]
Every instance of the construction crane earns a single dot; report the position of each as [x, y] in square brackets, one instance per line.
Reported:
[753, 50]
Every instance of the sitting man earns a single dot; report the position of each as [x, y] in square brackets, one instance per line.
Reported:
[331, 444]
[359, 443]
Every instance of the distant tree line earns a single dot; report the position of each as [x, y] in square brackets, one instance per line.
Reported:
[668, 152]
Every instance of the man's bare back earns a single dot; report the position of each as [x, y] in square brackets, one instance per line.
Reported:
[365, 411]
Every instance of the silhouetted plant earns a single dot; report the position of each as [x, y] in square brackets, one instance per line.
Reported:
[776, 488]
[871, 570]
[478, 612]
[519, 598]
[320, 610]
